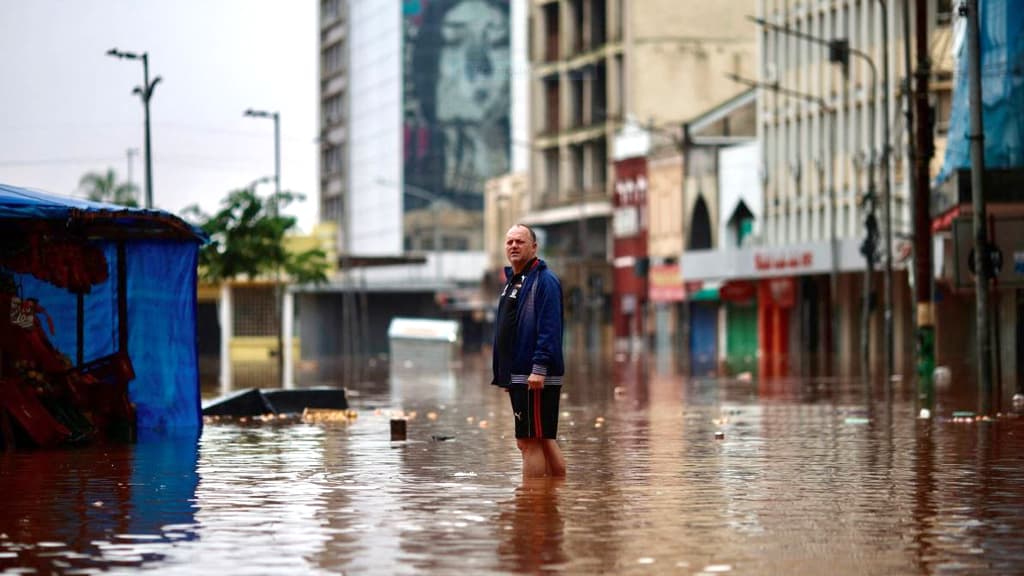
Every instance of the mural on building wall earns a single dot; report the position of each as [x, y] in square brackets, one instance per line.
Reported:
[457, 99]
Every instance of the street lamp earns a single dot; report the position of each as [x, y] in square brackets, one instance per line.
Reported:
[145, 92]
[274, 207]
[277, 148]
[839, 52]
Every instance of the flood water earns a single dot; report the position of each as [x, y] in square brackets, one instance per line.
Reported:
[807, 478]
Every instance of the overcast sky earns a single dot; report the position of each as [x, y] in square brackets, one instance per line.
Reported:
[68, 109]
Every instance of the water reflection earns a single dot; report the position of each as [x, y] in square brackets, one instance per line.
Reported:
[530, 528]
[100, 506]
[665, 475]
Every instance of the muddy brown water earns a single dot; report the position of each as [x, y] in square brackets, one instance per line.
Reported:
[666, 475]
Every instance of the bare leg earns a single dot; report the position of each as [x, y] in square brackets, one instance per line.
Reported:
[534, 461]
[553, 458]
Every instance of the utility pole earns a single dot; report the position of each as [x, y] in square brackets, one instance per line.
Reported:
[145, 92]
[921, 155]
[275, 212]
[887, 207]
[981, 247]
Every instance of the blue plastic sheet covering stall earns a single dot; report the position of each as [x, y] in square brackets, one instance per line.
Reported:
[1001, 27]
[161, 255]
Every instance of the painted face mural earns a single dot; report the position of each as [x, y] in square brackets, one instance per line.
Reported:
[473, 82]
[457, 98]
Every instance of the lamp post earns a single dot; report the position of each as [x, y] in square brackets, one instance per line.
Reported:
[145, 92]
[839, 52]
[274, 211]
[277, 148]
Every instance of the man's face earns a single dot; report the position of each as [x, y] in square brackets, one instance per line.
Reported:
[519, 247]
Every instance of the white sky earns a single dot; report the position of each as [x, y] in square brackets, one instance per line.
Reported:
[67, 108]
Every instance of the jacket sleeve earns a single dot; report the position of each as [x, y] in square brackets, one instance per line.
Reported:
[549, 324]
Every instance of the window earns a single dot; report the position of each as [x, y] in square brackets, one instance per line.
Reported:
[332, 160]
[576, 153]
[944, 12]
[600, 165]
[551, 51]
[333, 59]
[551, 172]
[333, 109]
[551, 104]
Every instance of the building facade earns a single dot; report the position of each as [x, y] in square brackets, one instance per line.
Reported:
[417, 112]
[595, 66]
[821, 127]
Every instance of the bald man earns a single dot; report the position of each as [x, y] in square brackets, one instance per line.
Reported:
[528, 359]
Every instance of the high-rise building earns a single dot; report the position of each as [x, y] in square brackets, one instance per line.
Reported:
[333, 108]
[416, 113]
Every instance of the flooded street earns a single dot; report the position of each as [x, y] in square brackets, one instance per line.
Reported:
[805, 478]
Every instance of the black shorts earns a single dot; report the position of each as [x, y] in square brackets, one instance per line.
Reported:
[536, 414]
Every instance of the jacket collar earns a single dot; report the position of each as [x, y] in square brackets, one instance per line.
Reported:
[538, 264]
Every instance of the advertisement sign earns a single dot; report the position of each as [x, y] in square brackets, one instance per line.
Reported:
[665, 284]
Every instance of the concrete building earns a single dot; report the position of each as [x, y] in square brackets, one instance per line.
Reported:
[596, 64]
[414, 121]
[819, 150]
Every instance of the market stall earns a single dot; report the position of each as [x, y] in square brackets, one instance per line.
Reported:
[97, 321]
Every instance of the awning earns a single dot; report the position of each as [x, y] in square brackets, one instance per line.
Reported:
[708, 292]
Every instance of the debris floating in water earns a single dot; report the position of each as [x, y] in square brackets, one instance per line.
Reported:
[325, 415]
[963, 417]
[925, 414]
[857, 420]
[398, 430]
[719, 435]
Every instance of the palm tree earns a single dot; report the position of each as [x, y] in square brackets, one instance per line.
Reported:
[105, 188]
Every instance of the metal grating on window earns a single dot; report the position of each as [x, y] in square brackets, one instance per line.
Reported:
[254, 311]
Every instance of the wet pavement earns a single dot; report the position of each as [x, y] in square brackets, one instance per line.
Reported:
[666, 476]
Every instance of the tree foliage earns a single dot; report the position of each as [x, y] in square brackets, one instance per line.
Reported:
[247, 238]
[104, 187]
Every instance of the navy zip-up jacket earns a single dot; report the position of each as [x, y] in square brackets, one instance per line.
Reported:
[538, 328]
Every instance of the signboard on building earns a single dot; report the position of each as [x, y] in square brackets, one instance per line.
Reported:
[665, 284]
[629, 226]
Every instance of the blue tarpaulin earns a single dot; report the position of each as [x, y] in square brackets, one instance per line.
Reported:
[161, 256]
[1001, 27]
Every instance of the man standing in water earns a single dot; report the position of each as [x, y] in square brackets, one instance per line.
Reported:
[528, 352]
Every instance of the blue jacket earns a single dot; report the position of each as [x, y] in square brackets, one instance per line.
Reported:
[539, 328]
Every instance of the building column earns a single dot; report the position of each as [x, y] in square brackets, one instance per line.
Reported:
[226, 335]
[287, 327]
[764, 332]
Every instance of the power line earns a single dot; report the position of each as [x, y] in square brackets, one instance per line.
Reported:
[56, 161]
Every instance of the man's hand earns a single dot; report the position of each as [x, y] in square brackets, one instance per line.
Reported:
[535, 381]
